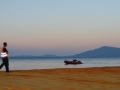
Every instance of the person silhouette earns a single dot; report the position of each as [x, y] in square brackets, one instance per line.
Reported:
[4, 56]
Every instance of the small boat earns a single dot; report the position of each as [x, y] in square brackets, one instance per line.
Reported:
[72, 62]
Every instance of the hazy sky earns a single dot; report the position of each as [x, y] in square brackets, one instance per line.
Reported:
[60, 27]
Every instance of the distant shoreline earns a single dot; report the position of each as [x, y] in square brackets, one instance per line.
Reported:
[17, 57]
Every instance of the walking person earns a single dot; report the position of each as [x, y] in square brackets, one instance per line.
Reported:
[4, 56]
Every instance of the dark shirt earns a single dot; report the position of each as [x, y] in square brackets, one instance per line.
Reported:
[5, 50]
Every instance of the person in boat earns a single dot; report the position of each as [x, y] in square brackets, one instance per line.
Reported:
[4, 56]
[74, 60]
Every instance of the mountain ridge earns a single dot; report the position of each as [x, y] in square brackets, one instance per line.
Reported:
[101, 52]
[104, 51]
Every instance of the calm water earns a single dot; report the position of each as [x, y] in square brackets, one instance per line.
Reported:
[48, 63]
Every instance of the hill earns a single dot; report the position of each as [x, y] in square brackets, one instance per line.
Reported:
[102, 52]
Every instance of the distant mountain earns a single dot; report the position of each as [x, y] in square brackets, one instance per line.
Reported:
[102, 52]
[32, 56]
[49, 55]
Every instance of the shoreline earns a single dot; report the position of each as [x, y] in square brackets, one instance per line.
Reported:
[94, 78]
[69, 68]
[61, 68]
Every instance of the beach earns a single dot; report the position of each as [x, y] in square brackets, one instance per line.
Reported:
[95, 78]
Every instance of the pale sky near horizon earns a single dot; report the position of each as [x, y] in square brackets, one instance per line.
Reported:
[60, 27]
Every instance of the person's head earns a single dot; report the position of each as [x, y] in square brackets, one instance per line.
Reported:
[5, 44]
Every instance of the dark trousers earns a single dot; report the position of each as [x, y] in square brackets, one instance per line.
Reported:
[6, 63]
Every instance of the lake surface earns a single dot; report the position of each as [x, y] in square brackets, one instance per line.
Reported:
[49, 63]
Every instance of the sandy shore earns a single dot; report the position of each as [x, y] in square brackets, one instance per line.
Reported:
[105, 78]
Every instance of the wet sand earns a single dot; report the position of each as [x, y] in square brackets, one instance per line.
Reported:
[103, 78]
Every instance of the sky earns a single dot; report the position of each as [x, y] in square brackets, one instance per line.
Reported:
[60, 27]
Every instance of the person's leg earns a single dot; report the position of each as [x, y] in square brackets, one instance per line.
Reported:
[7, 64]
[2, 64]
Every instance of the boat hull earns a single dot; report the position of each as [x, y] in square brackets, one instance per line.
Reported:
[72, 62]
